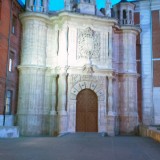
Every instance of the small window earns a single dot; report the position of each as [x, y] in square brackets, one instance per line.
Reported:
[8, 102]
[14, 23]
[10, 63]
[124, 14]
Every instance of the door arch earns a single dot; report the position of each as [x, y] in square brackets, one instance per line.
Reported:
[87, 111]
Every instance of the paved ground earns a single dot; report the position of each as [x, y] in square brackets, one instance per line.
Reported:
[79, 147]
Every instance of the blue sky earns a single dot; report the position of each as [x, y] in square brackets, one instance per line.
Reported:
[59, 4]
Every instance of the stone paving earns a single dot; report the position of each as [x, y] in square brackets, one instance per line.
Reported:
[78, 146]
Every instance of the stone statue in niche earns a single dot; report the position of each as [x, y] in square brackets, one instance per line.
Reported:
[88, 44]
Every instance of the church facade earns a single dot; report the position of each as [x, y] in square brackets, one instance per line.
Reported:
[78, 69]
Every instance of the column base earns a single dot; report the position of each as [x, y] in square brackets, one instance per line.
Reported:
[62, 121]
[53, 124]
[111, 125]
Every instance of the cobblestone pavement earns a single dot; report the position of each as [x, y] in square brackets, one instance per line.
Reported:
[80, 146]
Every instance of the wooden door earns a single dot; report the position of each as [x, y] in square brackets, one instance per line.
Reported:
[87, 111]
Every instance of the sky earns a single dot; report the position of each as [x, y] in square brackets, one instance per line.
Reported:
[59, 4]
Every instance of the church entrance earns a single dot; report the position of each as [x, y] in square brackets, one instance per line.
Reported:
[87, 111]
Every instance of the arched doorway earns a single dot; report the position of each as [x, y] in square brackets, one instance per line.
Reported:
[87, 111]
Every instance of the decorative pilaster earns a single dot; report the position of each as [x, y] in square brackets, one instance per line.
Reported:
[62, 99]
[62, 89]
[110, 96]
[63, 46]
[111, 115]
[53, 111]
[110, 48]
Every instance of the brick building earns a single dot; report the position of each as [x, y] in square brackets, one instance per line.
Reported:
[148, 60]
[10, 44]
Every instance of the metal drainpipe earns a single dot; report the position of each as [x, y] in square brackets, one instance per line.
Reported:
[9, 36]
[152, 110]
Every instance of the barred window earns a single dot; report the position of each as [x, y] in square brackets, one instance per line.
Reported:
[14, 24]
[8, 102]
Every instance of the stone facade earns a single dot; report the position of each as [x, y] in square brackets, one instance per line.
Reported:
[67, 52]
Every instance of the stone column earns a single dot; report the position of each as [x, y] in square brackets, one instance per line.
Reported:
[63, 47]
[32, 114]
[110, 96]
[110, 48]
[54, 87]
[62, 98]
[111, 115]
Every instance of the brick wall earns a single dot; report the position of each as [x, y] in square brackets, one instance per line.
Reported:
[9, 43]
[4, 32]
[156, 47]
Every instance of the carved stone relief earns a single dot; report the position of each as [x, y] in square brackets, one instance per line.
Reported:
[88, 44]
[80, 82]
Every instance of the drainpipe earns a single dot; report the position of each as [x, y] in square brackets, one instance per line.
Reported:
[9, 36]
[152, 110]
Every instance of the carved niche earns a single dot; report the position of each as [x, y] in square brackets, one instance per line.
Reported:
[88, 44]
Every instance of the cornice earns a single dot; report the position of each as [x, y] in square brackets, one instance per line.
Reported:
[34, 16]
[85, 17]
[33, 67]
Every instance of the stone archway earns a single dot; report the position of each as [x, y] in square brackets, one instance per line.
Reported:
[95, 84]
[87, 111]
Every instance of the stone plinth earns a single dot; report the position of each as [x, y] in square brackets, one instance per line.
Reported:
[9, 132]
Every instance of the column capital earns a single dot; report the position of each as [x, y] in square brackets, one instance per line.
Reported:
[62, 70]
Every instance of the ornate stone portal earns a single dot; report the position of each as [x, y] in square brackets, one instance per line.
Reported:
[68, 53]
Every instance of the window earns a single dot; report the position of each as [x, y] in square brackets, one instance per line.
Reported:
[124, 14]
[10, 63]
[8, 102]
[14, 23]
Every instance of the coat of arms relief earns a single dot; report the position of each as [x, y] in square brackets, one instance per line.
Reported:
[88, 44]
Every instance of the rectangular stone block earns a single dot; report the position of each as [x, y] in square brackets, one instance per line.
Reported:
[9, 132]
